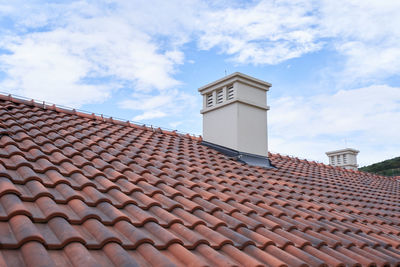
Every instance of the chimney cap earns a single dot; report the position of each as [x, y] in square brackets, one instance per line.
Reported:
[342, 151]
[237, 76]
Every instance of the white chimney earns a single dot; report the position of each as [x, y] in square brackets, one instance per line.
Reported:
[345, 158]
[235, 115]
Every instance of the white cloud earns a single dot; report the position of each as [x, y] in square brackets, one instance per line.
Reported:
[175, 124]
[267, 32]
[147, 115]
[140, 44]
[46, 70]
[89, 51]
[167, 103]
[367, 34]
[366, 118]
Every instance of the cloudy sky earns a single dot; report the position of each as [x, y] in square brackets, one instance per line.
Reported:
[334, 65]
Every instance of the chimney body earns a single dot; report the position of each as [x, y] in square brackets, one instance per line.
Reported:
[345, 158]
[235, 114]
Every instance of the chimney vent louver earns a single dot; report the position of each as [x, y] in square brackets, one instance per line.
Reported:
[231, 93]
[235, 117]
[210, 100]
[220, 96]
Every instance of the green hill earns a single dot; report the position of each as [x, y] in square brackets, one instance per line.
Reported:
[390, 167]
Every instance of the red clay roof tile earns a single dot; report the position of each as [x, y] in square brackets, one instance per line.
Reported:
[78, 189]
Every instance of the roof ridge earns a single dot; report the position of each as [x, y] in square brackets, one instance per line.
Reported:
[94, 116]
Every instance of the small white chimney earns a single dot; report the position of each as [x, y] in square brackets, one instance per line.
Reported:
[235, 114]
[345, 158]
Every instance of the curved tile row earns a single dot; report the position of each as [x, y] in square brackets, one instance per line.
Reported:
[94, 177]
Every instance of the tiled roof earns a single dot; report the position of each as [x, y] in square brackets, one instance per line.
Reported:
[76, 189]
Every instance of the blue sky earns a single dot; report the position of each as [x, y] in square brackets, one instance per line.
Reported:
[334, 65]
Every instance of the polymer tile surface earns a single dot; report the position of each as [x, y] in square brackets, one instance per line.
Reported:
[80, 190]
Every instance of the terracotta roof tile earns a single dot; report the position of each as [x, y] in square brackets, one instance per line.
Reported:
[81, 190]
